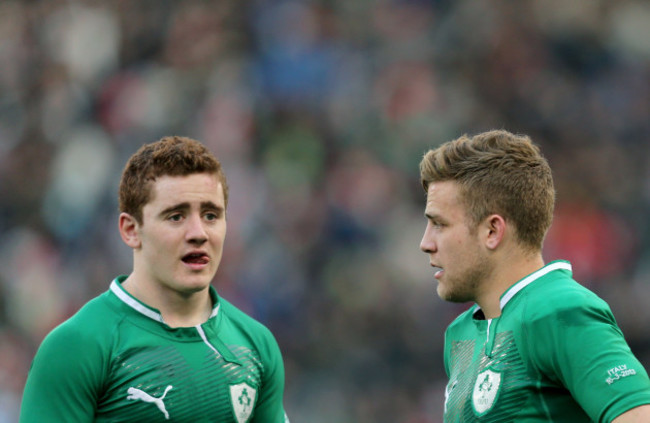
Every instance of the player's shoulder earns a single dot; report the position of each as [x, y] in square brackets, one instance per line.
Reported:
[241, 319]
[463, 320]
[560, 293]
[90, 324]
[562, 290]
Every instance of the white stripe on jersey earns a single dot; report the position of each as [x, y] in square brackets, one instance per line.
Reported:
[134, 304]
[531, 278]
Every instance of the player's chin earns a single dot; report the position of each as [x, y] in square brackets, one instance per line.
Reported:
[188, 290]
[442, 291]
[196, 281]
[445, 293]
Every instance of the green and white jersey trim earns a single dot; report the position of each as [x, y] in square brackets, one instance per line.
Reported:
[514, 289]
[155, 315]
[141, 308]
[517, 287]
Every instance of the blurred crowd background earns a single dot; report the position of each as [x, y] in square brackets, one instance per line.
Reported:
[320, 112]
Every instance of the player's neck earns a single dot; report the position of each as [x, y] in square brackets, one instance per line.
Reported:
[507, 272]
[187, 312]
[177, 309]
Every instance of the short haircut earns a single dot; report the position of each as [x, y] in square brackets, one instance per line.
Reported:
[498, 173]
[169, 156]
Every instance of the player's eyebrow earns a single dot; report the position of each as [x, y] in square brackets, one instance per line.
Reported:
[175, 208]
[435, 217]
[209, 205]
[206, 205]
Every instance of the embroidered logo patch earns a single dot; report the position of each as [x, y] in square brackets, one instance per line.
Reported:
[486, 391]
[242, 397]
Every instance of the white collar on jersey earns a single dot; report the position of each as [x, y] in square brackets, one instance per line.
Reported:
[117, 289]
[514, 289]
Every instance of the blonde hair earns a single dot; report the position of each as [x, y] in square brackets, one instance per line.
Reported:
[498, 173]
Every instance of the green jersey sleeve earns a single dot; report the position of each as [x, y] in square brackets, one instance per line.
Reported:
[64, 379]
[578, 344]
[269, 407]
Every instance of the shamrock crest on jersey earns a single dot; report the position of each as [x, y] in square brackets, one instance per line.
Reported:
[242, 397]
[486, 390]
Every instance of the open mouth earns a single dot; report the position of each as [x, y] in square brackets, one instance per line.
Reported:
[196, 258]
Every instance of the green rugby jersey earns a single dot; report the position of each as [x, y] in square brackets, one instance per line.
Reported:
[116, 360]
[555, 354]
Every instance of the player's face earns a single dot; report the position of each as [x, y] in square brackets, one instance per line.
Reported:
[182, 232]
[453, 247]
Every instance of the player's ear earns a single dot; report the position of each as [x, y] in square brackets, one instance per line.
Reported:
[129, 232]
[495, 229]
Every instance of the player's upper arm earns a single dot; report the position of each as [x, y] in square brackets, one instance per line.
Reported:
[581, 348]
[639, 414]
[63, 381]
[273, 385]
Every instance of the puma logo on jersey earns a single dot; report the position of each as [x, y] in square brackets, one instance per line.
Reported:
[138, 394]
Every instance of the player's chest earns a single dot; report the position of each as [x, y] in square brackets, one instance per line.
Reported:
[486, 387]
[182, 382]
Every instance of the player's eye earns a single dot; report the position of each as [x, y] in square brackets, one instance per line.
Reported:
[211, 216]
[175, 217]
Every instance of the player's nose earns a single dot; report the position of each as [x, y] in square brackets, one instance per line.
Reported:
[427, 244]
[195, 230]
